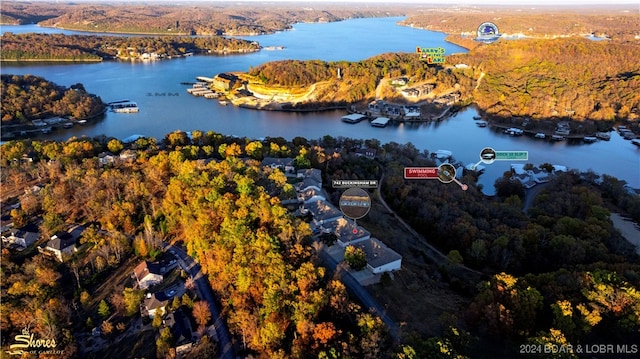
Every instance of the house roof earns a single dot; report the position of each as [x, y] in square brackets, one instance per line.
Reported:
[61, 241]
[28, 236]
[322, 210]
[272, 161]
[378, 254]
[309, 182]
[145, 268]
[346, 230]
[312, 173]
[155, 300]
[180, 327]
[309, 193]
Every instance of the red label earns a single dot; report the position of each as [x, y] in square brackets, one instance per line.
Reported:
[421, 172]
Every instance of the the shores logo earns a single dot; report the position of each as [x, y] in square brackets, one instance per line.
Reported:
[28, 343]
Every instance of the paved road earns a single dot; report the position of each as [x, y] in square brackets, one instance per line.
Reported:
[190, 266]
[356, 289]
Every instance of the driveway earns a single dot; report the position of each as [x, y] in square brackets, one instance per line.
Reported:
[204, 290]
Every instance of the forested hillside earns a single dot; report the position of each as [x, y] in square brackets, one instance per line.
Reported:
[559, 274]
[51, 47]
[618, 22]
[177, 19]
[226, 212]
[357, 80]
[27, 97]
[575, 79]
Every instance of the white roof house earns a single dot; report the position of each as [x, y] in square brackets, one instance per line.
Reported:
[347, 231]
[322, 212]
[380, 258]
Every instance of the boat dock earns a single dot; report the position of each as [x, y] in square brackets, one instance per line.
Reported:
[353, 118]
[380, 122]
[124, 107]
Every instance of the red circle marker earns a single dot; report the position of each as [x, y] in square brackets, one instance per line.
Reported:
[355, 231]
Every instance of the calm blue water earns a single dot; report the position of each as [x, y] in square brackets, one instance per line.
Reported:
[165, 105]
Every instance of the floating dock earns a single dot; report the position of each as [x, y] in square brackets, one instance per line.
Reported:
[353, 118]
[380, 122]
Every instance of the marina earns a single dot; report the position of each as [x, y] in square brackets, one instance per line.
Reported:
[160, 115]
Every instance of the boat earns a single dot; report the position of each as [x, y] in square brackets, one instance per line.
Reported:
[46, 130]
[589, 139]
[629, 135]
[477, 118]
[442, 154]
[125, 107]
[380, 122]
[82, 122]
[557, 138]
[68, 125]
[223, 102]
[540, 135]
[482, 123]
[603, 136]
[636, 142]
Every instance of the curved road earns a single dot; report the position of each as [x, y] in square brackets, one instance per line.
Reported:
[356, 289]
[190, 266]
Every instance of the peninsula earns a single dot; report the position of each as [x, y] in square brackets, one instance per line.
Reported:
[507, 80]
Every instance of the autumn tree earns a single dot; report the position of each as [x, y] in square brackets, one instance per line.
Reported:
[355, 257]
[201, 313]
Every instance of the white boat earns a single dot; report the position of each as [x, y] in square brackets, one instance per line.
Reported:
[589, 139]
[125, 107]
[514, 131]
[482, 123]
[82, 122]
[557, 138]
[603, 136]
[636, 142]
[540, 135]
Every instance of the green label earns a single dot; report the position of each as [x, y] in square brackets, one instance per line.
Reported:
[512, 155]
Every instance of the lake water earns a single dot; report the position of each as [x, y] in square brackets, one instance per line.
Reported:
[165, 106]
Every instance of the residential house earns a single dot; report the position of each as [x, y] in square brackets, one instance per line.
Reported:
[323, 212]
[308, 183]
[346, 231]
[61, 245]
[400, 81]
[181, 330]
[128, 155]
[380, 258]
[6, 223]
[312, 173]
[22, 238]
[152, 304]
[106, 158]
[311, 194]
[369, 153]
[284, 164]
[148, 274]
